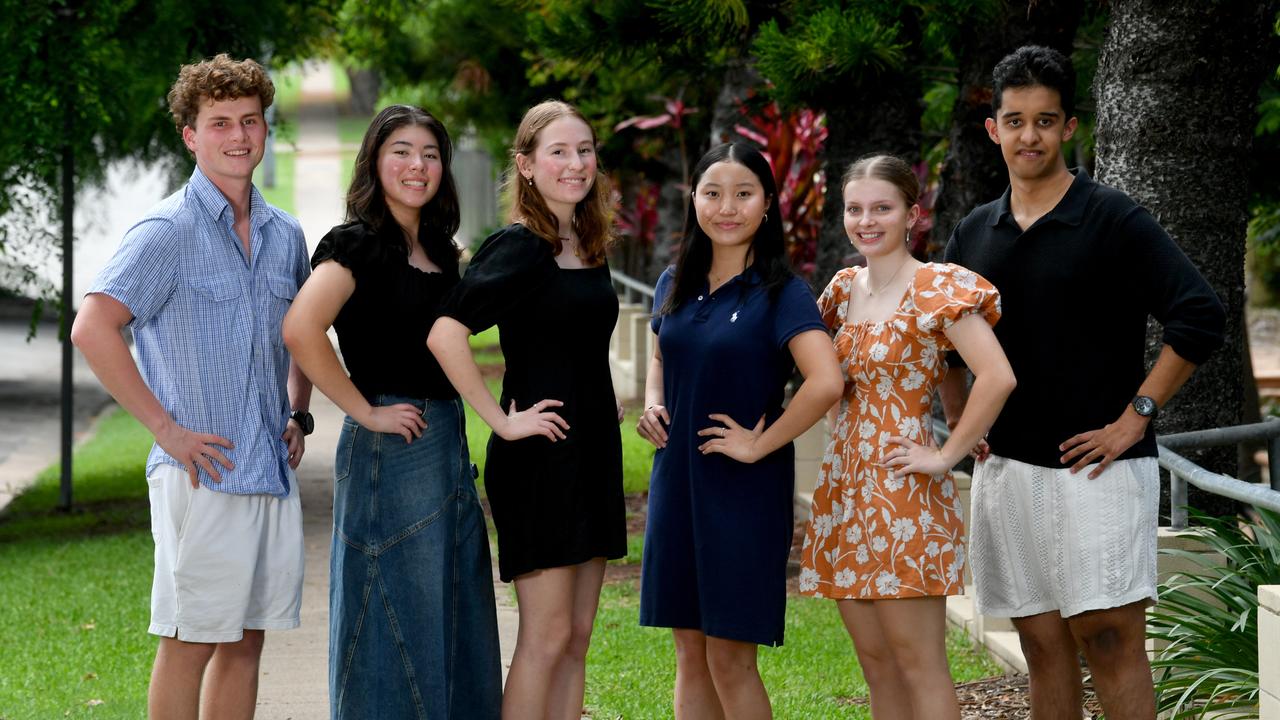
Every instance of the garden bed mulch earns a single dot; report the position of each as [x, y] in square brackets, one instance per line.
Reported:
[1004, 697]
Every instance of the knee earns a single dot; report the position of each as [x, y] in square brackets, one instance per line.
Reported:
[548, 640]
[247, 648]
[691, 652]
[1104, 640]
[730, 664]
[879, 666]
[579, 641]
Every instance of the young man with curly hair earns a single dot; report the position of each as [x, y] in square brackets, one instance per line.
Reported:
[203, 281]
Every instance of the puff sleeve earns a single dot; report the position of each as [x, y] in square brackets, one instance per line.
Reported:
[510, 265]
[834, 300]
[948, 292]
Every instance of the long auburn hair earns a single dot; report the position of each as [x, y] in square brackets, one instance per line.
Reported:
[768, 247]
[366, 202]
[592, 217]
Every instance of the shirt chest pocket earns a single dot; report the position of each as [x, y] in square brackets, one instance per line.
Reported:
[279, 295]
[216, 302]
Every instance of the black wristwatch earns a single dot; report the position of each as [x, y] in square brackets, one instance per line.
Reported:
[1146, 407]
[305, 421]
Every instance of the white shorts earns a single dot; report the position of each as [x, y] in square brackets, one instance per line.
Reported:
[224, 563]
[1042, 539]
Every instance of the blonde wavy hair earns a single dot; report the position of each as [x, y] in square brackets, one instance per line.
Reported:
[592, 217]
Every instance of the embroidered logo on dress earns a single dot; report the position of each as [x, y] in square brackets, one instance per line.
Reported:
[734, 316]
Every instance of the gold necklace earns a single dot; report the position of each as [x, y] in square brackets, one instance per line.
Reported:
[877, 291]
[577, 249]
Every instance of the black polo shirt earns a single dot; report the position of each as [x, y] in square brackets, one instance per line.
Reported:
[1076, 289]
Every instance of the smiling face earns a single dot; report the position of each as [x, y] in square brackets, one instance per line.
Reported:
[409, 171]
[228, 139]
[876, 217]
[730, 203]
[562, 164]
[1030, 128]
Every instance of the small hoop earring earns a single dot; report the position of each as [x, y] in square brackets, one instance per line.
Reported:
[765, 219]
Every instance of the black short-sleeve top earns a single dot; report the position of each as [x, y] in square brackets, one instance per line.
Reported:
[382, 329]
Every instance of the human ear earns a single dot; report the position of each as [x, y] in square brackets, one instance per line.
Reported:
[990, 124]
[1069, 129]
[189, 137]
[522, 166]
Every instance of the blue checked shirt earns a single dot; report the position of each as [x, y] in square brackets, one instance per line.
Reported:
[206, 324]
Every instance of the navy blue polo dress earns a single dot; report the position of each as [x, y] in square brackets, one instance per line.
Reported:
[719, 531]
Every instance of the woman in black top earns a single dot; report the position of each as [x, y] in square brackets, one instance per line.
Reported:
[554, 468]
[412, 622]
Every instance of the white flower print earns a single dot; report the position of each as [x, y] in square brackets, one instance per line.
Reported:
[913, 380]
[878, 543]
[808, 579]
[837, 512]
[884, 387]
[853, 534]
[861, 555]
[887, 583]
[909, 427]
[893, 483]
[925, 520]
[821, 525]
[878, 352]
[948, 488]
[845, 578]
[900, 325]
[866, 429]
[865, 449]
[903, 529]
[931, 549]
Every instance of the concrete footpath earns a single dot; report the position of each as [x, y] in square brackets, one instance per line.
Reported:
[294, 681]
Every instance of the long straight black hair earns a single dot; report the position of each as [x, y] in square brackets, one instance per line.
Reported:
[768, 247]
[440, 217]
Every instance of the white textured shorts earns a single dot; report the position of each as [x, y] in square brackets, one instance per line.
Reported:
[224, 563]
[1042, 539]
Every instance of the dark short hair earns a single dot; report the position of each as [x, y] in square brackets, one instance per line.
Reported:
[1032, 65]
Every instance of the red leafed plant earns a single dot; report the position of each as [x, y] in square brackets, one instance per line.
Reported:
[793, 144]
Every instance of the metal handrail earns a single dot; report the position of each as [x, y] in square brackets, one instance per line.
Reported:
[632, 286]
[1183, 471]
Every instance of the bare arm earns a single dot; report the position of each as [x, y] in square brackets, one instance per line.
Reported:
[992, 382]
[1110, 442]
[448, 342]
[815, 357]
[651, 425]
[954, 392]
[304, 329]
[97, 333]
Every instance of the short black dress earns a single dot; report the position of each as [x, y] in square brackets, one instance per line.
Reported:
[554, 503]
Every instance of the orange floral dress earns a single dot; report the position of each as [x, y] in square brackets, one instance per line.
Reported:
[870, 536]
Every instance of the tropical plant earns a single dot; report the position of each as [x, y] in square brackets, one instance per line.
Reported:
[1207, 619]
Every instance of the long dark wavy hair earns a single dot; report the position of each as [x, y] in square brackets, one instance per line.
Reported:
[440, 217]
[768, 249]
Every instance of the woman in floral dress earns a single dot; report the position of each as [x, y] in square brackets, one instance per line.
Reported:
[885, 536]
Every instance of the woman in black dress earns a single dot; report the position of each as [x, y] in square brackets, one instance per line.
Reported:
[554, 468]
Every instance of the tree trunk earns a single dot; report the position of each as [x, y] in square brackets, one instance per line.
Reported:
[1176, 88]
[881, 114]
[366, 85]
[973, 171]
[740, 79]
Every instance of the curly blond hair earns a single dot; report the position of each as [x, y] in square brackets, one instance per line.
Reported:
[218, 79]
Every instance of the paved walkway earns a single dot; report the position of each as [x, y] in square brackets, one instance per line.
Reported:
[294, 683]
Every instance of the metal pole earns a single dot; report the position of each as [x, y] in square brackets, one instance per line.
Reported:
[1273, 462]
[1177, 502]
[64, 325]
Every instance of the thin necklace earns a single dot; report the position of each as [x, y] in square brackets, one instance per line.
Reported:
[577, 251]
[880, 289]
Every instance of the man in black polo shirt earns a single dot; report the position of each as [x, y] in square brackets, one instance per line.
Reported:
[1064, 507]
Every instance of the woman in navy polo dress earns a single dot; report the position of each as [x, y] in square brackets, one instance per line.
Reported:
[732, 323]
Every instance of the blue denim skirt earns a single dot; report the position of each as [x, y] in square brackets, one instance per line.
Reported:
[412, 625]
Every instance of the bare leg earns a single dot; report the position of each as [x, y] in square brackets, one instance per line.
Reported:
[890, 699]
[696, 697]
[1054, 666]
[546, 603]
[916, 629]
[570, 677]
[737, 680]
[1114, 642]
[175, 679]
[230, 690]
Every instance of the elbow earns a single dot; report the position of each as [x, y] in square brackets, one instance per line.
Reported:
[831, 389]
[291, 333]
[1006, 382]
[438, 337]
[79, 333]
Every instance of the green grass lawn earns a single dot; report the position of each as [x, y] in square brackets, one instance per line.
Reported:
[631, 669]
[77, 586]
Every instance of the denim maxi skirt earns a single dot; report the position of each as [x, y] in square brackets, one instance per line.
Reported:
[412, 624]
